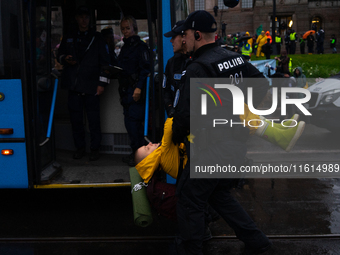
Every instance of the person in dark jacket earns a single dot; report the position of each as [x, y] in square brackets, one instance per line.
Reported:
[267, 49]
[333, 44]
[300, 78]
[174, 68]
[302, 44]
[283, 65]
[278, 41]
[83, 54]
[134, 59]
[228, 41]
[292, 42]
[320, 39]
[287, 42]
[209, 60]
[310, 44]
[223, 27]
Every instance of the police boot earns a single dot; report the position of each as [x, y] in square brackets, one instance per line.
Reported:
[287, 124]
[285, 138]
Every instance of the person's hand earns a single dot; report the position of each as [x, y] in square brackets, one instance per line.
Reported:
[275, 58]
[136, 94]
[69, 59]
[100, 90]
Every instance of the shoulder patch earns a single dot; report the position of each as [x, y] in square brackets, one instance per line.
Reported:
[228, 64]
[177, 76]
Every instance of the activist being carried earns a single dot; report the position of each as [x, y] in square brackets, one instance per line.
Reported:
[166, 155]
[195, 194]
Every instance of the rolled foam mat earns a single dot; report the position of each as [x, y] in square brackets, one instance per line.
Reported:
[141, 207]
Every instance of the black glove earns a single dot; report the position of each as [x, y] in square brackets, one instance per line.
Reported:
[171, 112]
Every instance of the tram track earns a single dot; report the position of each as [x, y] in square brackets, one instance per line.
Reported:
[148, 238]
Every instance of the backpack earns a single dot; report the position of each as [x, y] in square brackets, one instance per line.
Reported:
[162, 197]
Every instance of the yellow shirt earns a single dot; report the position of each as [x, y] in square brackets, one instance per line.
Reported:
[166, 156]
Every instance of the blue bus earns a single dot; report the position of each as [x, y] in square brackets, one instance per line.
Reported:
[35, 133]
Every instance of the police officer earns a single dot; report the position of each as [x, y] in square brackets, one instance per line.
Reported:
[292, 40]
[135, 60]
[302, 43]
[278, 41]
[209, 60]
[83, 54]
[174, 68]
[246, 50]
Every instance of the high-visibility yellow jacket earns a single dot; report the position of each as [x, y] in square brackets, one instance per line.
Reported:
[292, 36]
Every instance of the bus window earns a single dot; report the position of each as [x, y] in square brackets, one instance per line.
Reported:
[182, 9]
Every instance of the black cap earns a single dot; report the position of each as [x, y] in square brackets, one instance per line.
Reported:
[175, 30]
[201, 21]
[83, 10]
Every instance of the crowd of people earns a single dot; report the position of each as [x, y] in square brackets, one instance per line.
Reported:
[262, 44]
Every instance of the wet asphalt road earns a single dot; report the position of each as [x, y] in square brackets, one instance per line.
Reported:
[282, 208]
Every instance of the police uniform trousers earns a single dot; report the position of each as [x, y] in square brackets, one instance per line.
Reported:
[76, 104]
[278, 48]
[133, 119]
[320, 48]
[195, 194]
[292, 47]
[302, 48]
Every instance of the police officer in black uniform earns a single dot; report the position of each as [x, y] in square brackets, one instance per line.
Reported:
[174, 68]
[135, 60]
[83, 54]
[209, 60]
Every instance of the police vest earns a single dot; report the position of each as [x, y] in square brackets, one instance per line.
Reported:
[290, 65]
[278, 39]
[246, 52]
[217, 62]
[292, 36]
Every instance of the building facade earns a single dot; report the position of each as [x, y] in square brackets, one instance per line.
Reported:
[299, 15]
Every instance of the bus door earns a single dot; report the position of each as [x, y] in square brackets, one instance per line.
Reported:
[44, 38]
[52, 20]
